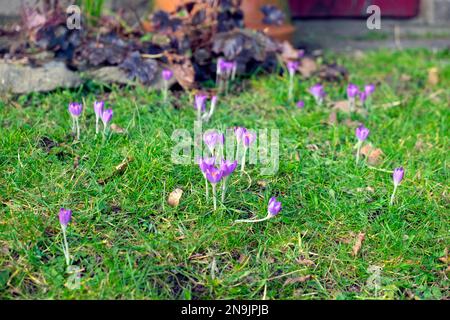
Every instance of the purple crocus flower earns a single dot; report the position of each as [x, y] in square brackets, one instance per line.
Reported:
[107, 116]
[167, 74]
[301, 104]
[200, 100]
[352, 90]
[248, 138]
[362, 133]
[98, 108]
[239, 132]
[75, 109]
[214, 175]
[369, 89]
[318, 92]
[292, 67]
[274, 207]
[227, 167]
[206, 163]
[363, 97]
[398, 175]
[212, 138]
[301, 53]
[65, 215]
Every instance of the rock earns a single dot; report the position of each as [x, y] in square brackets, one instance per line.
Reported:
[20, 79]
[113, 74]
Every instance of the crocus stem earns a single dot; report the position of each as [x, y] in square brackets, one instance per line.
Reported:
[224, 188]
[78, 128]
[66, 247]
[74, 125]
[291, 86]
[253, 220]
[207, 189]
[104, 131]
[393, 195]
[199, 114]
[165, 89]
[96, 125]
[214, 196]
[243, 160]
[351, 103]
[358, 150]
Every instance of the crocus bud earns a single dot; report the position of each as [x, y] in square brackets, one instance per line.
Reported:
[75, 109]
[398, 175]
[301, 104]
[352, 90]
[107, 116]
[200, 100]
[65, 215]
[212, 138]
[317, 91]
[213, 175]
[274, 207]
[167, 74]
[292, 66]
[98, 108]
[362, 133]
[239, 132]
[227, 167]
[363, 97]
[248, 138]
[369, 89]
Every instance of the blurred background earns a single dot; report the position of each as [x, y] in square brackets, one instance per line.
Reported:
[333, 24]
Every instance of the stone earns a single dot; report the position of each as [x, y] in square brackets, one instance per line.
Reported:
[20, 79]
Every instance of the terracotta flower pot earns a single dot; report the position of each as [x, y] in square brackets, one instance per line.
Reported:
[252, 16]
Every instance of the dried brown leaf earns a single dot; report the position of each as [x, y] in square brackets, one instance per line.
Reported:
[332, 119]
[262, 183]
[358, 244]
[307, 67]
[433, 76]
[305, 262]
[174, 197]
[297, 280]
[288, 52]
[117, 129]
[342, 105]
[183, 70]
[372, 154]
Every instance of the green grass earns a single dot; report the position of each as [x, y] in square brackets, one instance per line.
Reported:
[131, 245]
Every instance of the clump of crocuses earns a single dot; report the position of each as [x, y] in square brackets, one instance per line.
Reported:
[273, 208]
[75, 110]
[352, 93]
[98, 110]
[65, 216]
[361, 134]
[225, 72]
[245, 138]
[166, 76]
[397, 177]
[365, 96]
[215, 175]
[106, 119]
[318, 93]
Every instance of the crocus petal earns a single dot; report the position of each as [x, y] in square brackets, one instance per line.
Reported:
[167, 74]
[107, 116]
[75, 109]
[362, 133]
[398, 175]
[65, 215]
[98, 108]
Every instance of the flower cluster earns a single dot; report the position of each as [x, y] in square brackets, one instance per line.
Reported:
[225, 72]
[200, 105]
[353, 92]
[105, 115]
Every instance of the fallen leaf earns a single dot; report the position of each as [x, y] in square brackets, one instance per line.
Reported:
[262, 183]
[350, 123]
[288, 52]
[297, 280]
[332, 119]
[445, 258]
[312, 147]
[183, 70]
[358, 244]
[405, 77]
[372, 154]
[368, 189]
[115, 128]
[305, 262]
[342, 105]
[307, 67]
[433, 76]
[123, 165]
[174, 197]
[76, 162]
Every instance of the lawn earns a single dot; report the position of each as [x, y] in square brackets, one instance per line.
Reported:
[130, 244]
